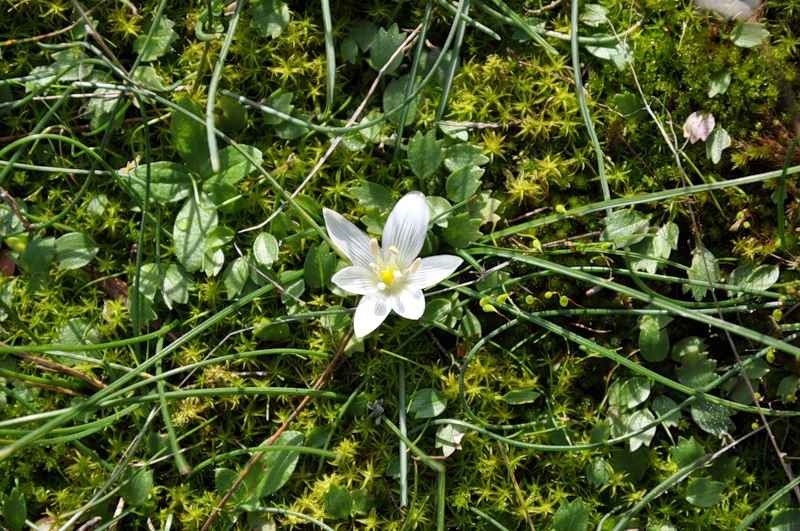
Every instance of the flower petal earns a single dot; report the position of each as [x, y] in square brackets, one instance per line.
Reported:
[348, 238]
[371, 312]
[408, 302]
[406, 228]
[432, 270]
[356, 279]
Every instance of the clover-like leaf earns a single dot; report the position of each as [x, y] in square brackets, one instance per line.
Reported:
[270, 17]
[160, 41]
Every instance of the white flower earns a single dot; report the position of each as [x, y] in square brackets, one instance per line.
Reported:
[390, 277]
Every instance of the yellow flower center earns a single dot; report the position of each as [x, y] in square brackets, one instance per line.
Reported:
[389, 274]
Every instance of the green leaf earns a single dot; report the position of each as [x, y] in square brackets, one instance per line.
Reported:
[448, 438]
[148, 78]
[233, 165]
[384, 44]
[15, 510]
[394, 95]
[717, 142]
[619, 53]
[594, 15]
[483, 207]
[75, 250]
[212, 261]
[598, 472]
[338, 502]
[319, 266]
[38, 255]
[363, 32]
[469, 326]
[687, 452]
[653, 337]
[78, 332]
[719, 82]
[427, 403]
[224, 478]
[656, 249]
[176, 286]
[235, 277]
[663, 404]
[625, 228]
[703, 492]
[169, 181]
[274, 469]
[712, 418]
[703, 269]
[571, 516]
[224, 196]
[219, 237]
[189, 135]
[349, 50]
[629, 393]
[696, 370]
[271, 17]
[425, 154]
[192, 226]
[265, 250]
[439, 208]
[521, 396]
[102, 105]
[97, 205]
[785, 520]
[149, 282]
[630, 105]
[461, 155]
[161, 41]
[136, 300]
[136, 484]
[7, 297]
[751, 277]
[373, 195]
[637, 421]
[463, 183]
[634, 464]
[462, 230]
[749, 34]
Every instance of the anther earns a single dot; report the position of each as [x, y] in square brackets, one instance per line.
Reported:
[373, 247]
[415, 265]
[381, 286]
[394, 250]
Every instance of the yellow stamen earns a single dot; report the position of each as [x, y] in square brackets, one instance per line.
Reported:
[389, 274]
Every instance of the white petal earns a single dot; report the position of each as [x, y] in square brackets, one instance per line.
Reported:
[371, 311]
[409, 302]
[406, 228]
[356, 279]
[348, 238]
[432, 270]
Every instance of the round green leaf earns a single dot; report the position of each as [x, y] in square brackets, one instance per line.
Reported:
[75, 250]
[427, 403]
[703, 492]
[338, 502]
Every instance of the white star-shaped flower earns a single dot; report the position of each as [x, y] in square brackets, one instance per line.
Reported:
[392, 276]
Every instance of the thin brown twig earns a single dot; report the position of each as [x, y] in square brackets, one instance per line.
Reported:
[60, 368]
[300, 407]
